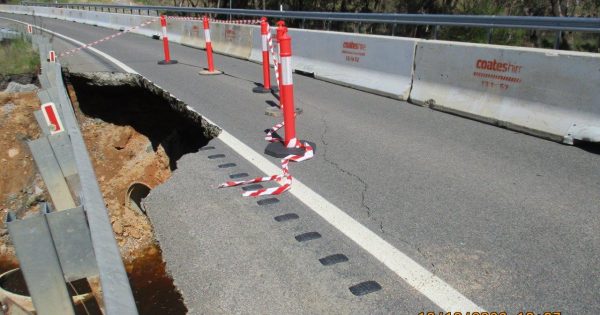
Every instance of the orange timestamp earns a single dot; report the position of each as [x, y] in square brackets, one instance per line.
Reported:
[489, 313]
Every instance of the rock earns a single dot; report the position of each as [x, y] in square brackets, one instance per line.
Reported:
[14, 87]
[135, 233]
[32, 200]
[117, 227]
[12, 197]
[123, 138]
[8, 108]
[12, 152]
[37, 190]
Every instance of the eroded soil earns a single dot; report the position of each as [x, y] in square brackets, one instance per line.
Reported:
[21, 186]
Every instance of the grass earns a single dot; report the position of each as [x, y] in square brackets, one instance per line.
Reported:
[17, 56]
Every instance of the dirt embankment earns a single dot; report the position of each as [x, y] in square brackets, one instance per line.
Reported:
[121, 157]
[135, 133]
[21, 186]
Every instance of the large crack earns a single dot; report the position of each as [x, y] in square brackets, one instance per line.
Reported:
[364, 184]
[364, 192]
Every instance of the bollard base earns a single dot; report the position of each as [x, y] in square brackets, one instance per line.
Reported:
[278, 150]
[276, 111]
[206, 72]
[261, 89]
[170, 62]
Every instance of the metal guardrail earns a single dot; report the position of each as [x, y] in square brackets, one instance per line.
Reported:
[483, 21]
[77, 241]
[116, 291]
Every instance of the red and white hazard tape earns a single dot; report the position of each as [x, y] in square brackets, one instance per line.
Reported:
[191, 18]
[275, 60]
[74, 50]
[236, 21]
[285, 180]
[183, 18]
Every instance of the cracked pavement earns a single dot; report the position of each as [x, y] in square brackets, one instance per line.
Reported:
[363, 203]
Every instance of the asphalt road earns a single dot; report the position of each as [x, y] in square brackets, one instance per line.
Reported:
[509, 220]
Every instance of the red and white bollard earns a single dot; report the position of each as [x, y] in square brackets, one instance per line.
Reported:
[290, 145]
[209, 52]
[264, 33]
[29, 29]
[281, 29]
[52, 56]
[287, 89]
[167, 60]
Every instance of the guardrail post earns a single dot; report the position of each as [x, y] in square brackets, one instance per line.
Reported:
[490, 33]
[264, 31]
[167, 61]
[209, 52]
[557, 40]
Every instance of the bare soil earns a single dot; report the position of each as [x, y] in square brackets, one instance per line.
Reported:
[130, 141]
[21, 186]
[122, 156]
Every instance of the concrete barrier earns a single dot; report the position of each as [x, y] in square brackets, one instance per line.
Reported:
[193, 35]
[232, 39]
[379, 64]
[552, 94]
[256, 52]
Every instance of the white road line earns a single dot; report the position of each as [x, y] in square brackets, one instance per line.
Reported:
[421, 279]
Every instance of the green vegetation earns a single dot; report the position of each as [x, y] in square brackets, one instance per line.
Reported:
[17, 56]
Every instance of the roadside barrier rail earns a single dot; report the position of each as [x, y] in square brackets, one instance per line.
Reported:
[484, 21]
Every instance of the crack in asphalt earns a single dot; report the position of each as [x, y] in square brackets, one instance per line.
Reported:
[368, 209]
[363, 183]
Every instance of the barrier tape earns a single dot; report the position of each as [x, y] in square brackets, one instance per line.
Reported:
[275, 61]
[74, 50]
[236, 21]
[191, 18]
[285, 180]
